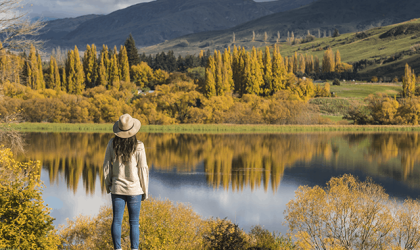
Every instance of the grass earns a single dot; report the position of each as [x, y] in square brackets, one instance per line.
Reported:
[362, 91]
[334, 118]
[209, 128]
[351, 94]
[354, 49]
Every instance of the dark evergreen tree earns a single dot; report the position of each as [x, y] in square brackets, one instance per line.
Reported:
[171, 61]
[133, 56]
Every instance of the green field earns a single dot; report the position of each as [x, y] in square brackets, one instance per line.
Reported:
[350, 94]
[208, 128]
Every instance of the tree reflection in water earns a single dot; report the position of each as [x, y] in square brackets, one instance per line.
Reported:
[232, 161]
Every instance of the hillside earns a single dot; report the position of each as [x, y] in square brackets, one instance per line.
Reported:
[154, 22]
[56, 29]
[325, 15]
[381, 51]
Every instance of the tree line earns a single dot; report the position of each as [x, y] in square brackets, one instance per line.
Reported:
[255, 72]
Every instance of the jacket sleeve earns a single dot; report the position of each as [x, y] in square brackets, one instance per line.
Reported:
[143, 170]
[107, 168]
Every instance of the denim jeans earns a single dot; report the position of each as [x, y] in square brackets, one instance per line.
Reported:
[118, 205]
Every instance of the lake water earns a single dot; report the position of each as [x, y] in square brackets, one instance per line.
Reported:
[248, 178]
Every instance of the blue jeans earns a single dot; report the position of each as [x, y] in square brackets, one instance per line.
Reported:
[118, 205]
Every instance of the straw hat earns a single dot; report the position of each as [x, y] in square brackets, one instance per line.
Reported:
[126, 126]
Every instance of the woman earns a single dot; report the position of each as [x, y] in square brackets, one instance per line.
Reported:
[126, 177]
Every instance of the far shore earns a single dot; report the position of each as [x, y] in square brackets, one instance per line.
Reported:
[210, 128]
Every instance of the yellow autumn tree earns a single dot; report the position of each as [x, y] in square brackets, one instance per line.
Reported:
[328, 64]
[408, 82]
[142, 74]
[25, 222]
[347, 214]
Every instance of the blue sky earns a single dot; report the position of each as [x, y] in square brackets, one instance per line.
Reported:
[74, 8]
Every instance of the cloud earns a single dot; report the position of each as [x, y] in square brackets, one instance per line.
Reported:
[74, 8]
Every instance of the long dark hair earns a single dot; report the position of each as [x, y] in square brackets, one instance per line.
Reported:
[124, 147]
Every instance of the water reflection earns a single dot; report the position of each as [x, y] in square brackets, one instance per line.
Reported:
[232, 161]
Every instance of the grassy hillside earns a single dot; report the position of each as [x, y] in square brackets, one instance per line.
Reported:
[351, 94]
[383, 50]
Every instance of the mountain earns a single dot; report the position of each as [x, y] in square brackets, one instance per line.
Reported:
[56, 29]
[154, 22]
[325, 15]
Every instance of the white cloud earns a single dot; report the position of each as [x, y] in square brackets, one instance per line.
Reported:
[74, 8]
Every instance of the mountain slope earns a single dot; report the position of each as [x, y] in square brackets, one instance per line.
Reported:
[58, 28]
[154, 22]
[326, 15]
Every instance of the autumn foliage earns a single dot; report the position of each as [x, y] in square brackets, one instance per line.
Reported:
[350, 214]
[25, 222]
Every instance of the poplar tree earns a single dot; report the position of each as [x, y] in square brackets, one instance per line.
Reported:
[312, 64]
[102, 78]
[302, 64]
[210, 83]
[114, 73]
[328, 64]
[408, 82]
[291, 64]
[235, 68]
[268, 74]
[57, 81]
[247, 75]
[279, 71]
[257, 79]
[228, 75]
[295, 62]
[40, 77]
[218, 73]
[89, 65]
[79, 75]
[124, 65]
[316, 65]
[63, 79]
[70, 72]
[106, 61]
[286, 63]
[132, 53]
[32, 69]
[51, 74]
[338, 67]
[242, 74]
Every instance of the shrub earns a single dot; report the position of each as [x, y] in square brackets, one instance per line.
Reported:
[336, 82]
[25, 222]
[350, 214]
[308, 38]
[183, 43]
[225, 235]
[263, 239]
[374, 79]
[163, 225]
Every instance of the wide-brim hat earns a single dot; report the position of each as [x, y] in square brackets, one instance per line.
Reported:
[126, 126]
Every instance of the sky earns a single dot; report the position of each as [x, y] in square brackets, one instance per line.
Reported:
[74, 8]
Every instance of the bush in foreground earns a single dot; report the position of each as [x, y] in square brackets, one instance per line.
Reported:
[350, 214]
[25, 223]
[166, 225]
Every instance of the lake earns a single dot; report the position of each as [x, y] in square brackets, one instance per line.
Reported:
[248, 178]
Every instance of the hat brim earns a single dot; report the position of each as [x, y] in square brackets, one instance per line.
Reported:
[129, 133]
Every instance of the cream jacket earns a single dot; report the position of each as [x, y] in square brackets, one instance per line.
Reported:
[126, 179]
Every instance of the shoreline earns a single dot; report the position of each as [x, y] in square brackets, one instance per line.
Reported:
[210, 128]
